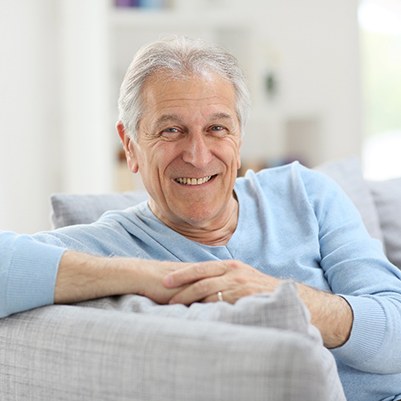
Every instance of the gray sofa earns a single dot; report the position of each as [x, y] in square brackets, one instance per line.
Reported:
[129, 348]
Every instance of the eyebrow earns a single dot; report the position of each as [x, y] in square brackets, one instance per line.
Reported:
[221, 116]
[175, 118]
[167, 118]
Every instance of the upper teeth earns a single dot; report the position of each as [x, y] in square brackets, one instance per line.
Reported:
[193, 181]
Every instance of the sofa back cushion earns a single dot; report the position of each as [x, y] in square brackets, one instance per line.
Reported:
[70, 209]
[387, 198]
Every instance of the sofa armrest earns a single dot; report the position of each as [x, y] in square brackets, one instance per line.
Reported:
[82, 353]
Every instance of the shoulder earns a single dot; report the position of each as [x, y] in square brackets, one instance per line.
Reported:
[292, 176]
[292, 185]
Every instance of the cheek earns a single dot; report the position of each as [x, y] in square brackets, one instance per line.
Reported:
[154, 162]
[165, 155]
[238, 155]
[234, 154]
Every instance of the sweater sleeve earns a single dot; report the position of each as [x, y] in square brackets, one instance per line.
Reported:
[29, 263]
[356, 268]
[28, 272]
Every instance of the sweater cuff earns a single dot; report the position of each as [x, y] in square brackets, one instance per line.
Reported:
[32, 275]
[367, 334]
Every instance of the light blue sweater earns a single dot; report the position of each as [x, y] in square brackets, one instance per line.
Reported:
[293, 223]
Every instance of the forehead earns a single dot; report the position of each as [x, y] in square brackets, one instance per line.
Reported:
[162, 90]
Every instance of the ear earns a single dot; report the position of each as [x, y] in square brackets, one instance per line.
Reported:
[129, 147]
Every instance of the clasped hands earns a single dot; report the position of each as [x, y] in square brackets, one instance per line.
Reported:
[185, 283]
[201, 282]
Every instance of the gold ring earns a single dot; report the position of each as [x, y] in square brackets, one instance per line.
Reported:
[220, 296]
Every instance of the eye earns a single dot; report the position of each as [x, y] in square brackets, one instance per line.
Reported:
[218, 129]
[170, 132]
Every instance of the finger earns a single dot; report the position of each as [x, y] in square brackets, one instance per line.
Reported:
[219, 296]
[233, 294]
[198, 291]
[194, 273]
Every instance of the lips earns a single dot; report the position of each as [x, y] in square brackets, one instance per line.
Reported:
[193, 181]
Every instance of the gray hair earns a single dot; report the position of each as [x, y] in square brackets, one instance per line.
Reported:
[181, 57]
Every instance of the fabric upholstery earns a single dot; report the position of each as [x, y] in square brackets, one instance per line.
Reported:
[69, 209]
[62, 353]
[281, 310]
[387, 197]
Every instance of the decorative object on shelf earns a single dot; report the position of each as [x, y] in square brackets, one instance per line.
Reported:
[126, 3]
[271, 84]
[155, 4]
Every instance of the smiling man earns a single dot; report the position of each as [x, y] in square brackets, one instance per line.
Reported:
[205, 235]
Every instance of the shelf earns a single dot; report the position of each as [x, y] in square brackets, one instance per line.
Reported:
[136, 17]
[171, 19]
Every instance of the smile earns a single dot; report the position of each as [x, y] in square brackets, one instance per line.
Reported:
[193, 181]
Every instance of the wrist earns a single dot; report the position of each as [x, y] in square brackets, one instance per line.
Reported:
[330, 313]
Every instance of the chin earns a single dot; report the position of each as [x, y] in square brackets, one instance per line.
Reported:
[198, 219]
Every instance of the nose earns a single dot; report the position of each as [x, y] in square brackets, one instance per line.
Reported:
[197, 150]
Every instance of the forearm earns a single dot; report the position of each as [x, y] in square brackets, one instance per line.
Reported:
[82, 277]
[330, 313]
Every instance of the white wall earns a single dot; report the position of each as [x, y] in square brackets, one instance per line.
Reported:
[87, 135]
[53, 105]
[29, 119]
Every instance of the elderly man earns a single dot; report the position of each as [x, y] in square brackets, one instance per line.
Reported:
[205, 235]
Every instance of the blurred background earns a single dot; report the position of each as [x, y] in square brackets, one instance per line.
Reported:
[325, 79]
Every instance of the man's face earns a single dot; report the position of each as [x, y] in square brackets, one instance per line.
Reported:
[188, 149]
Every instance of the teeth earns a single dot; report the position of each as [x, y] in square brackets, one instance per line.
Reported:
[193, 181]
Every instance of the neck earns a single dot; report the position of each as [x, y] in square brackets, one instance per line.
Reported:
[214, 234]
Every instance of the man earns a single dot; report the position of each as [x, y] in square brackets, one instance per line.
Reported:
[206, 236]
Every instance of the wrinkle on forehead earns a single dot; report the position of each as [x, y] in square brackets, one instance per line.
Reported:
[163, 78]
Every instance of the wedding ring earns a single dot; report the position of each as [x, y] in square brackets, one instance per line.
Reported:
[220, 296]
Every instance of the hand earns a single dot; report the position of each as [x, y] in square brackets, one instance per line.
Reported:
[150, 275]
[202, 281]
